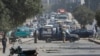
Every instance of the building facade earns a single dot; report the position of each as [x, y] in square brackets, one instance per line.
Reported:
[92, 4]
[69, 5]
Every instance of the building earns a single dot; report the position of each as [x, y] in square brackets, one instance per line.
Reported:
[92, 4]
[59, 1]
[50, 2]
[80, 2]
[69, 5]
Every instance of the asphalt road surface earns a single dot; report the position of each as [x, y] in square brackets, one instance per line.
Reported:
[57, 48]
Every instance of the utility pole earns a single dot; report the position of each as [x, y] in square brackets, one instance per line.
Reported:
[48, 2]
[89, 4]
[48, 5]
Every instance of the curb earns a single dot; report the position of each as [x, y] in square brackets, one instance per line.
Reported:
[95, 41]
[27, 41]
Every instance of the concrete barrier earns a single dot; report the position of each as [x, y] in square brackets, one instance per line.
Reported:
[94, 40]
[26, 39]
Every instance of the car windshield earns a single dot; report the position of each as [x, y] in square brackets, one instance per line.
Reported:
[61, 17]
[47, 31]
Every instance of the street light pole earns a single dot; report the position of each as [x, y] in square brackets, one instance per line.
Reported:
[48, 2]
[89, 3]
[48, 5]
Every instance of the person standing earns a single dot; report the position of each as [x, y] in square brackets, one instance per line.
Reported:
[35, 36]
[4, 41]
[96, 31]
[60, 31]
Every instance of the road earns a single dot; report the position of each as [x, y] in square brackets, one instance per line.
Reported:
[57, 48]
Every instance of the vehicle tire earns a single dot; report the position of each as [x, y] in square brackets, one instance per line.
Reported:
[75, 37]
[48, 40]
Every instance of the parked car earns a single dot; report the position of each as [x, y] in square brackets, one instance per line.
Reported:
[20, 32]
[82, 32]
[71, 37]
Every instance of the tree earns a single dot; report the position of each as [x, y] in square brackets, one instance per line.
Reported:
[83, 15]
[47, 8]
[4, 17]
[97, 17]
[14, 12]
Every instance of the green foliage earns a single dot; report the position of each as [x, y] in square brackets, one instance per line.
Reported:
[15, 12]
[97, 17]
[4, 17]
[83, 15]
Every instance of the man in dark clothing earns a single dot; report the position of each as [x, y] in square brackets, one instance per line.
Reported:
[35, 36]
[59, 32]
[4, 40]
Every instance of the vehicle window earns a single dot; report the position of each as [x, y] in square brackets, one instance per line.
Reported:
[18, 30]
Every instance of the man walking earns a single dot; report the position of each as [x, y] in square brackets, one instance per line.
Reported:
[4, 40]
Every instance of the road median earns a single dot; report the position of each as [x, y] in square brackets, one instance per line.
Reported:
[94, 40]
